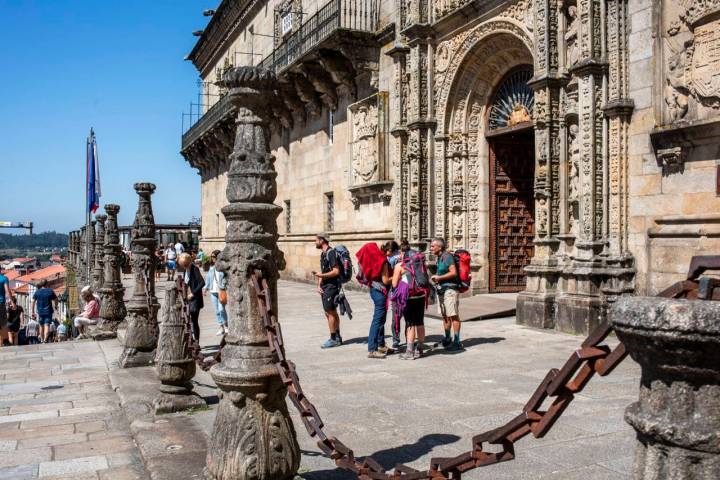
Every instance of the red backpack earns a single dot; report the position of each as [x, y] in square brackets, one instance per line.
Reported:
[462, 266]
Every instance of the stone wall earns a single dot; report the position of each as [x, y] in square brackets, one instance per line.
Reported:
[674, 209]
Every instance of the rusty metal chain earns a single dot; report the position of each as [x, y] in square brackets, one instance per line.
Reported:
[193, 345]
[561, 385]
[150, 303]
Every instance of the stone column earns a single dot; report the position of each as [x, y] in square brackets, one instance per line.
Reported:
[112, 308]
[141, 337]
[174, 365]
[677, 344]
[97, 273]
[253, 436]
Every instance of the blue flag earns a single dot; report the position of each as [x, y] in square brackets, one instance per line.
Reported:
[92, 185]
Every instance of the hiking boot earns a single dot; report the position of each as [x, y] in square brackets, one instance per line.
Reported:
[376, 354]
[386, 350]
[331, 342]
[455, 347]
[446, 342]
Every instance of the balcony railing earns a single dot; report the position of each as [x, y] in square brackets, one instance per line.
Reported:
[350, 15]
[358, 15]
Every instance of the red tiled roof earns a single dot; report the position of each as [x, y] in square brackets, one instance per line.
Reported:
[23, 259]
[53, 271]
[12, 274]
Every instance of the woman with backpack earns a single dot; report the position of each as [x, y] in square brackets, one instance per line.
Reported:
[410, 299]
[374, 272]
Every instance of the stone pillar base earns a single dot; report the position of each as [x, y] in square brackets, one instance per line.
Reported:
[579, 314]
[177, 402]
[99, 334]
[535, 310]
[131, 358]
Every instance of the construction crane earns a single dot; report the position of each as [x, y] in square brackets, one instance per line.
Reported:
[26, 225]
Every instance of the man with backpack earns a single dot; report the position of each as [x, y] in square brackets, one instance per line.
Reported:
[447, 285]
[328, 286]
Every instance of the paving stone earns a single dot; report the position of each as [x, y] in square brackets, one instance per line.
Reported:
[19, 472]
[21, 434]
[74, 466]
[52, 440]
[124, 473]
[23, 417]
[90, 427]
[86, 410]
[8, 445]
[94, 447]
[27, 456]
[46, 407]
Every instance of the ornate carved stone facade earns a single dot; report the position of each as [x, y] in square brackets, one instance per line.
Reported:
[537, 134]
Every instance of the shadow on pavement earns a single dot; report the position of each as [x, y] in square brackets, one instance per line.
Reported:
[390, 457]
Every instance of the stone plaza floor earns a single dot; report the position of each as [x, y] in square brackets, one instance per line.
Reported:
[396, 411]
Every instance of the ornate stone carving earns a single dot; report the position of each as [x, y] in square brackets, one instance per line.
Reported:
[175, 366]
[573, 178]
[141, 337]
[691, 44]
[365, 154]
[253, 436]
[572, 49]
[97, 276]
[671, 159]
[112, 307]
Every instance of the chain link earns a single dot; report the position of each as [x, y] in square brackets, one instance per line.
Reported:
[560, 384]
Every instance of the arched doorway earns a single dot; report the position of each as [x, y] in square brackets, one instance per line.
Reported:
[511, 143]
[473, 83]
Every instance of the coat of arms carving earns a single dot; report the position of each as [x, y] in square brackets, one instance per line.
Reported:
[367, 121]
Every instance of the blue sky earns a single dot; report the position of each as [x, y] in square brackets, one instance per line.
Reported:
[115, 65]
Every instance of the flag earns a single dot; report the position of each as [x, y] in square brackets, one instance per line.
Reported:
[92, 185]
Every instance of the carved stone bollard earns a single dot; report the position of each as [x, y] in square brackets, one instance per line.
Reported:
[677, 419]
[97, 273]
[112, 306]
[252, 394]
[174, 365]
[141, 338]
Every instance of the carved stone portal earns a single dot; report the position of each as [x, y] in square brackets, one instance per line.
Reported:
[253, 436]
[141, 337]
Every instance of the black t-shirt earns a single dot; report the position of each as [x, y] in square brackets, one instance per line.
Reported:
[328, 261]
[14, 314]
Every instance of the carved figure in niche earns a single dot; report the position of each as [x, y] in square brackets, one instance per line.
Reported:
[519, 114]
[574, 157]
[571, 36]
[442, 57]
[541, 216]
[676, 101]
[365, 158]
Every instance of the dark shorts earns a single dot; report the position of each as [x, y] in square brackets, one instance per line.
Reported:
[415, 312]
[14, 326]
[330, 293]
[3, 315]
[45, 319]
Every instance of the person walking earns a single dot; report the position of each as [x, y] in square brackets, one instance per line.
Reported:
[414, 301]
[170, 261]
[179, 248]
[6, 300]
[90, 315]
[328, 286]
[446, 283]
[215, 284]
[194, 291]
[16, 321]
[32, 331]
[159, 262]
[44, 302]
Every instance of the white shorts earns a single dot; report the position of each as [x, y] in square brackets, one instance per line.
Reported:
[82, 321]
[449, 301]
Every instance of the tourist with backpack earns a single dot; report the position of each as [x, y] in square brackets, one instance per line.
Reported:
[447, 285]
[410, 290]
[328, 286]
[374, 272]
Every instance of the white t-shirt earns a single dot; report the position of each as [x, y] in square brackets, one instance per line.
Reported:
[170, 252]
[179, 249]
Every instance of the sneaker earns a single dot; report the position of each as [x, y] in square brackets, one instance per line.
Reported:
[396, 345]
[446, 342]
[220, 332]
[455, 346]
[417, 354]
[331, 342]
[386, 350]
[407, 355]
[376, 354]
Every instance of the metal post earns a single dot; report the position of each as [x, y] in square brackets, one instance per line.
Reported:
[253, 395]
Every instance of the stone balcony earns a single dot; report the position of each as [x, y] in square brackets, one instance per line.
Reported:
[334, 53]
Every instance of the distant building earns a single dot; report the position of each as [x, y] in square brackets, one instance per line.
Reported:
[25, 286]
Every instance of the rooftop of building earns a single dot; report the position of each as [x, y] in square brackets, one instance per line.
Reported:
[52, 272]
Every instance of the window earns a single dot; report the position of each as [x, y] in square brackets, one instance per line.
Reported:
[286, 23]
[288, 216]
[330, 127]
[329, 212]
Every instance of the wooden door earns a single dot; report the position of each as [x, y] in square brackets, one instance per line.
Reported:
[512, 210]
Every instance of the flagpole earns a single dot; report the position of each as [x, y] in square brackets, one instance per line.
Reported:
[88, 146]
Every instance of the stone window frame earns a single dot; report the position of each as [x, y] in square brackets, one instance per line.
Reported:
[293, 7]
[329, 203]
